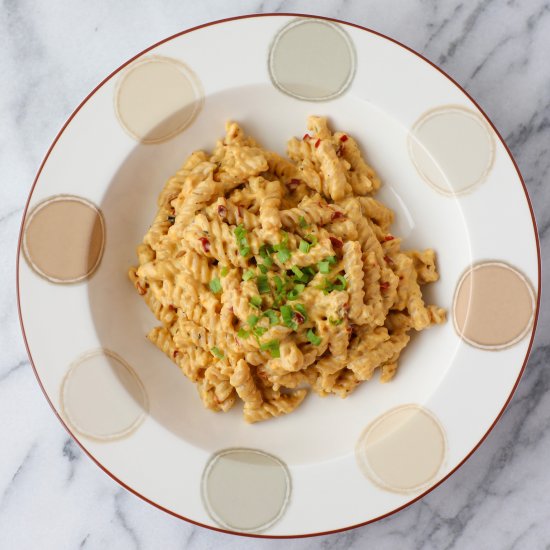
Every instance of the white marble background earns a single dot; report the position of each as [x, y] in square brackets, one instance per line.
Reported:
[51, 55]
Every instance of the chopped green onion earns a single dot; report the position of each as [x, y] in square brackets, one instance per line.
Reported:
[313, 338]
[296, 291]
[243, 333]
[271, 315]
[263, 284]
[249, 274]
[224, 271]
[324, 266]
[335, 322]
[268, 262]
[256, 301]
[217, 352]
[304, 246]
[343, 283]
[240, 236]
[278, 284]
[283, 255]
[262, 268]
[300, 308]
[303, 223]
[297, 271]
[259, 331]
[331, 260]
[266, 250]
[215, 285]
[286, 313]
[273, 347]
[252, 320]
[312, 239]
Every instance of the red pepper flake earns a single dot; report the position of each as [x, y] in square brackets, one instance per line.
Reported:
[239, 211]
[389, 238]
[401, 278]
[385, 285]
[299, 318]
[140, 289]
[222, 211]
[306, 137]
[388, 260]
[337, 215]
[293, 184]
[205, 244]
[343, 138]
[175, 354]
[317, 143]
[336, 243]
[172, 308]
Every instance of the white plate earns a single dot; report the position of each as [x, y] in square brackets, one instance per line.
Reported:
[333, 464]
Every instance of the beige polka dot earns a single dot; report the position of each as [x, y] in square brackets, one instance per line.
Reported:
[403, 450]
[245, 490]
[452, 148]
[312, 60]
[102, 397]
[64, 238]
[494, 306]
[157, 98]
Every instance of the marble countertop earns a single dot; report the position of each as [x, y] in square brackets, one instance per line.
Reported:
[51, 55]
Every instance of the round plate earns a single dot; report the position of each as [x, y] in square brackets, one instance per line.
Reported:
[334, 464]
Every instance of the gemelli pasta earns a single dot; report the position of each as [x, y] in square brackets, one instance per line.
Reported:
[272, 276]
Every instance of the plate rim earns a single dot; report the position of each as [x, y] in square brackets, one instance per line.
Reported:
[422, 58]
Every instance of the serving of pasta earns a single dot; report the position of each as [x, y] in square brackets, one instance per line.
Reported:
[271, 276]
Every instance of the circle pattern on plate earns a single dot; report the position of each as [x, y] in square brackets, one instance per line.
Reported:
[494, 306]
[64, 239]
[312, 60]
[402, 450]
[157, 98]
[102, 397]
[245, 489]
[453, 149]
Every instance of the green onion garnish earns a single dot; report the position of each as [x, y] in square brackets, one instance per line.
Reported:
[331, 260]
[297, 271]
[278, 284]
[271, 315]
[217, 352]
[249, 274]
[283, 255]
[224, 271]
[242, 333]
[300, 308]
[215, 285]
[286, 313]
[256, 301]
[240, 236]
[252, 320]
[343, 283]
[259, 331]
[303, 223]
[263, 284]
[295, 292]
[304, 246]
[335, 322]
[273, 347]
[313, 338]
[312, 239]
[262, 268]
[324, 266]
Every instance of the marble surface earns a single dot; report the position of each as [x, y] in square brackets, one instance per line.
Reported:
[51, 55]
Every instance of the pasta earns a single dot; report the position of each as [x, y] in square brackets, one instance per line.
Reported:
[272, 276]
